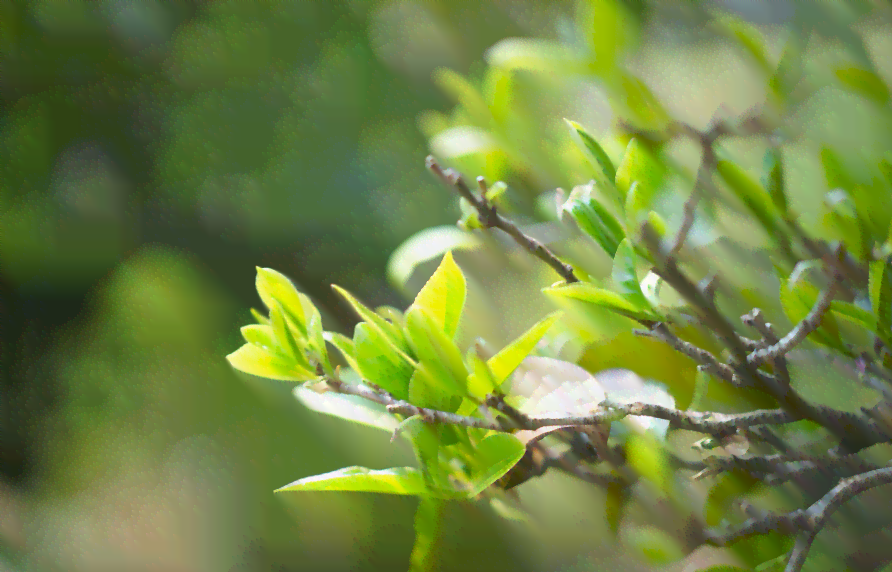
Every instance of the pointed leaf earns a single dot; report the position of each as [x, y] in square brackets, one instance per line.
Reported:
[639, 164]
[495, 455]
[752, 195]
[350, 407]
[624, 277]
[436, 351]
[506, 361]
[424, 246]
[284, 336]
[345, 346]
[443, 296]
[379, 361]
[593, 219]
[261, 336]
[481, 382]
[774, 179]
[591, 294]
[880, 288]
[396, 481]
[594, 151]
[261, 319]
[389, 331]
[273, 286]
[253, 360]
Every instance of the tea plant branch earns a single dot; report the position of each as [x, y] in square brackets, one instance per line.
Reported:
[490, 218]
[807, 325]
[704, 180]
[808, 522]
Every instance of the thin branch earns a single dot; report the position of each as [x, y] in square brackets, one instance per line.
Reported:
[704, 174]
[807, 325]
[490, 218]
[662, 332]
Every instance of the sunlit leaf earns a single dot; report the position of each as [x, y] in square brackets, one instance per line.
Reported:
[535, 55]
[591, 294]
[396, 481]
[345, 346]
[349, 407]
[495, 455]
[389, 331]
[379, 363]
[436, 350]
[481, 382]
[506, 361]
[273, 286]
[253, 360]
[424, 246]
[260, 335]
[443, 296]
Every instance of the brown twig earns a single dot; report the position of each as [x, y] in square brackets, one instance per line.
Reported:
[490, 218]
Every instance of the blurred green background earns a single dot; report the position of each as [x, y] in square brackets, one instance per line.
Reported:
[152, 154]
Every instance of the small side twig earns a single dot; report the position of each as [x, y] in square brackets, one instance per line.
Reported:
[808, 325]
[490, 218]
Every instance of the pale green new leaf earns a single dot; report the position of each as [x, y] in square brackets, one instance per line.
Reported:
[438, 352]
[260, 335]
[506, 361]
[443, 296]
[389, 331]
[345, 346]
[624, 277]
[273, 286]
[350, 407]
[254, 360]
[395, 481]
[424, 246]
[495, 455]
[587, 292]
[379, 362]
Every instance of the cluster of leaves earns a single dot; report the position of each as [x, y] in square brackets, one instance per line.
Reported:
[474, 428]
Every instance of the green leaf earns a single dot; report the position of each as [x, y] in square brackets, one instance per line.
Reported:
[593, 151]
[443, 296]
[863, 82]
[261, 336]
[639, 178]
[273, 287]
[427, 389]
[426, 444]
[434, 349]
[880, 288]
[379, 363]
[395, 481]
[844, 221]
[535, 55]
[624, 277]
[495, 455]
[653, 545]
[428, 524]
[506, 361]
[752, 195]
[641, 106]
[594, 220]
[461, 90]
[835, 173]
[645, 455]
[350, 407]
[591, 294]
[481, 382]
[748, 38]
[261, 319]
[284, 336]
[773, 180]
[424, 246]
[345, 346]
[609, 30]
[390, 332]
[253, 360]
